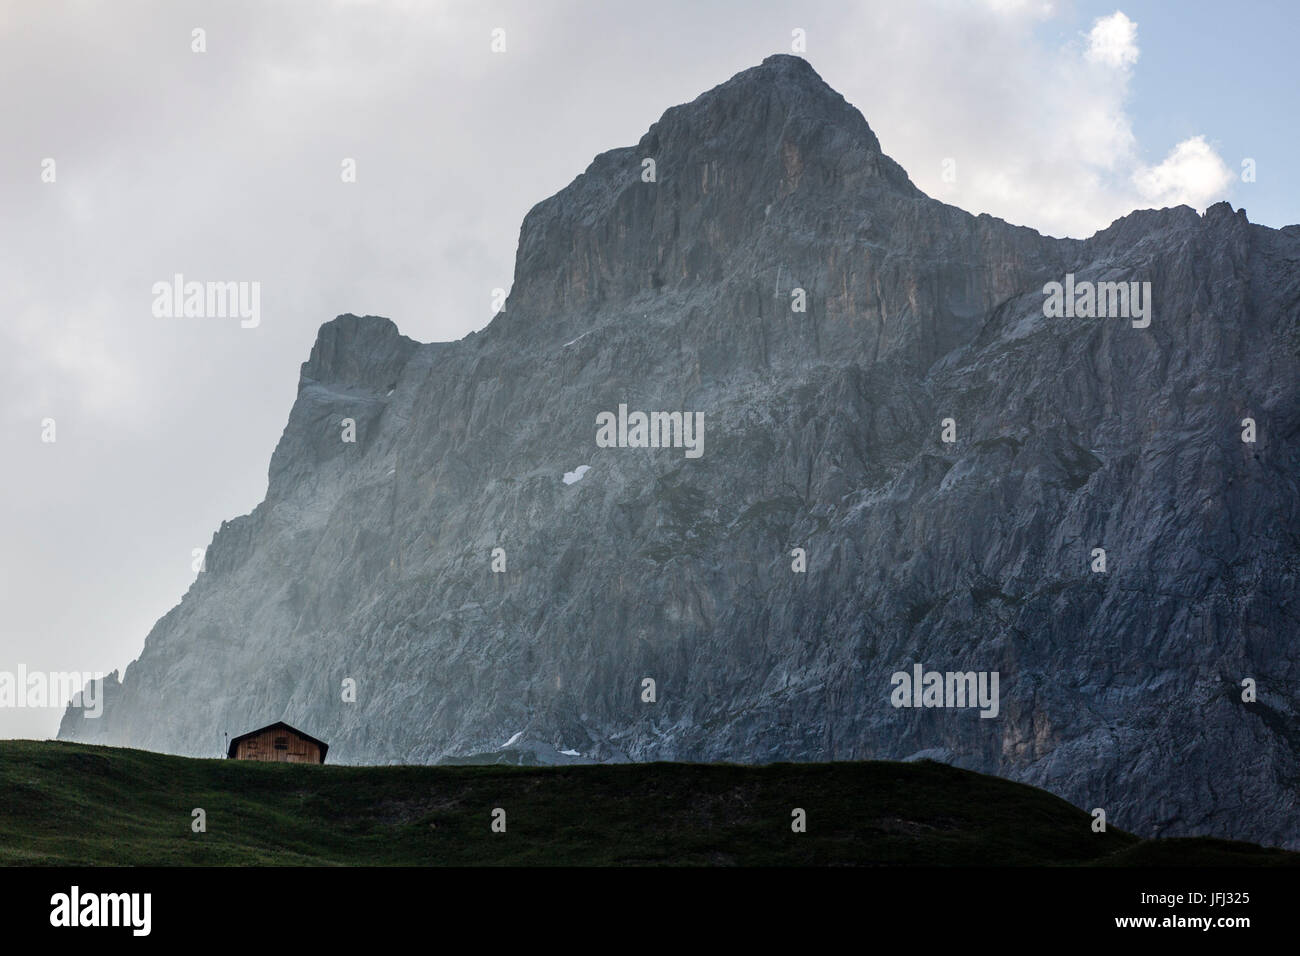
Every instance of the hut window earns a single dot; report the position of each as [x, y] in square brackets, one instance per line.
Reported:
[281, 743]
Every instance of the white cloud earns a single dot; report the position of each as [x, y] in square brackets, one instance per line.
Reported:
[1113, 41]
[1039, 132]
[1038, 8]
[1192, 173]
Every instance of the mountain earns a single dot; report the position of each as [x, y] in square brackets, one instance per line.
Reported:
[823, 430]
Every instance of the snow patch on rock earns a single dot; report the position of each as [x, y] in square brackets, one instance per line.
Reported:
[576, 475]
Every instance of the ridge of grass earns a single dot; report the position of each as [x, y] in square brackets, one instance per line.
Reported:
[76, 804]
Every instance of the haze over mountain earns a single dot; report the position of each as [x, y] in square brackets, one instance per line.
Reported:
[823, 431]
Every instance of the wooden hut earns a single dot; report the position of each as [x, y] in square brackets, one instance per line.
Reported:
[277, 743]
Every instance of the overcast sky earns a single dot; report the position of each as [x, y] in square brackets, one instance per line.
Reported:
[225, 165]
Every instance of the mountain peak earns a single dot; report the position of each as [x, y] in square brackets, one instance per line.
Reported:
[699, 188]
[783, 87]
[785, 68]
[791, 74]
[357, 349]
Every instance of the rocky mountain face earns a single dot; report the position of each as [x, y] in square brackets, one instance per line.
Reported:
[823, 430]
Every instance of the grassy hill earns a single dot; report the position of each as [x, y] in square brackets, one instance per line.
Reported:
[74, 804]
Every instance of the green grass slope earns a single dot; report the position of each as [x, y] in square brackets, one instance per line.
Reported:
[70, 804]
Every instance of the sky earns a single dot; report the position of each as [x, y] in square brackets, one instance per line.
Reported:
[227, 163]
